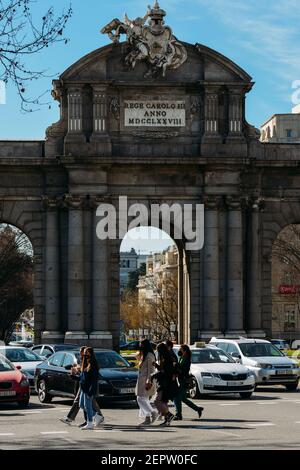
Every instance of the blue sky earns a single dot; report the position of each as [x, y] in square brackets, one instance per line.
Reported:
[263, 37]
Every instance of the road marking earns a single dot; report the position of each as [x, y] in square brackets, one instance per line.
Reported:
[31, 412]
[55, 432]
[57, 409]
[7, 434]
[266, 403]
[229, 404]
[225, 432]
[254, 425]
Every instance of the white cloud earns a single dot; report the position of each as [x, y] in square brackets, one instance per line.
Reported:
[268, 28]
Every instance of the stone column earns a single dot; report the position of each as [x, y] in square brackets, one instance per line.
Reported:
[236, 104]
[211, 274]
[75, 133]
[235, 268]
[211, 117]
[181, 325]
[99, 111]
[100, 335]
[254, 322]
[100, 135]
[76, 324]
[53, 332]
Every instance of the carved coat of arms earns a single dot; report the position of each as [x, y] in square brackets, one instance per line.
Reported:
[152, 43]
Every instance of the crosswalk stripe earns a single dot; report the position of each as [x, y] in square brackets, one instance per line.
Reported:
[55, 432]
[255, 425]
[229, 404]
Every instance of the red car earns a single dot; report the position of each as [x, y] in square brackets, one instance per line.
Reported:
[14, 386]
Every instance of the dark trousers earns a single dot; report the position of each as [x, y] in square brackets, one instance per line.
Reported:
[75, 407]
[180, 398]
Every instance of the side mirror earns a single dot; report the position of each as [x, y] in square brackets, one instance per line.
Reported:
[68, 367]
[132, 364]
[236, 356]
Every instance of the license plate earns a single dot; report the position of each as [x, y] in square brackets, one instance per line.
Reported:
[7, 394]
[234, 384]
[283, 372]
[126, 390]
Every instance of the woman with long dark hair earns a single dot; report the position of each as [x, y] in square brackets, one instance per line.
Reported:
[183, 374]
[144, 389]
[88, 384]
[167, 383]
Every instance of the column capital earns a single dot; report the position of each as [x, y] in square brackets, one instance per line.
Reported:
[50, 202]
[73, 202]
[212, 203]
[75, 88]
[256, 204]
[95, 200]
[235, 203]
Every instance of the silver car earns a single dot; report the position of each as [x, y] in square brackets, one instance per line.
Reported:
[266, 361]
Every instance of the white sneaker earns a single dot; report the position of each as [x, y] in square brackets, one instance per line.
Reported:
[88, 426]
[99, 419]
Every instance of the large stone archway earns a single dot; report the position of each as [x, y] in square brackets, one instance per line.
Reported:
[102, 148]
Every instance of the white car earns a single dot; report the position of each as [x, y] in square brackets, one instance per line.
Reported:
[215, 372]
[24, 359]
[266, 361]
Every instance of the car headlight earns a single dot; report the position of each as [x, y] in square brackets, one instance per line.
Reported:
[24, 382]
[250, 374]
[209, 374]
[102, 382]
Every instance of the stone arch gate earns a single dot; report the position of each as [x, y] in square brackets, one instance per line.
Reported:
[107, 143]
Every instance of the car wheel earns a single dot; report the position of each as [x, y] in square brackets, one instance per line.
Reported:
[23, 403]
[292, 387]
[44, 397]
[246, 395]
[194, 391]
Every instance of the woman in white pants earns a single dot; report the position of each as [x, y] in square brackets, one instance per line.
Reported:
[144, 388]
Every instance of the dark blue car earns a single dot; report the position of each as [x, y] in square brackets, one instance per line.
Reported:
[117, 377]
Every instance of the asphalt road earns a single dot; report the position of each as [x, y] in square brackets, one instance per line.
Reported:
[270, 420]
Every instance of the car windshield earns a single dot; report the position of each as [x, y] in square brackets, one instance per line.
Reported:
[110, 360]
[21, 355]
[5, 365]
[260, 350]
[205, 356]
[64, 347]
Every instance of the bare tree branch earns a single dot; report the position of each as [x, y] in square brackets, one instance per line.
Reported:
[21, 38]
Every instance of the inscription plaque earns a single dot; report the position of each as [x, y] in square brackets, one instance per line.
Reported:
[154, 113]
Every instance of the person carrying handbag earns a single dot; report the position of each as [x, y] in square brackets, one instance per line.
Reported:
[144, 388]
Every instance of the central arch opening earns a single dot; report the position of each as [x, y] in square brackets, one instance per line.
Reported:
[153, 286]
